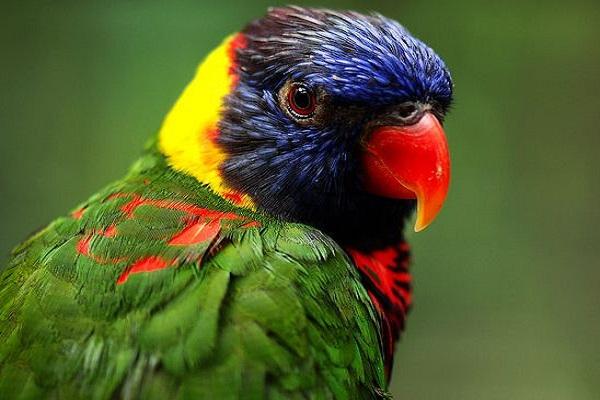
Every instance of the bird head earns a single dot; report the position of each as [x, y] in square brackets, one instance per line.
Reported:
[320, 117]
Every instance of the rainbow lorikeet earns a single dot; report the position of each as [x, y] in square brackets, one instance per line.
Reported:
[256, 248]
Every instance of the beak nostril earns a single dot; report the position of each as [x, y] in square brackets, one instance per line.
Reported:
[407, 110]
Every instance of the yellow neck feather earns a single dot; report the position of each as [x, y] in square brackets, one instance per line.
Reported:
[187, 136]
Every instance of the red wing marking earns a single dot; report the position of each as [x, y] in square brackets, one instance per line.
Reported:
[147, 264]
[109, 232]
[251, 224]
[83, 245]
[197, 232]
[78, 214]
[201, 225]
[234, 197]
[83, 248]
[130, 207]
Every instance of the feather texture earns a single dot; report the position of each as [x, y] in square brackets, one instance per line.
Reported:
[157, 288]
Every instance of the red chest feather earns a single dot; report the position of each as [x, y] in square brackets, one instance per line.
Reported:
[388, 281]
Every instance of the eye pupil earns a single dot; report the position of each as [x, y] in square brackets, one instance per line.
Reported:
[301, 101]
[302, 98]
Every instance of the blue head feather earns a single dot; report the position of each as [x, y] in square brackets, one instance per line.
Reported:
[363, 65]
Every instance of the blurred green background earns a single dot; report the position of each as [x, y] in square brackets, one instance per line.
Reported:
[508, 277]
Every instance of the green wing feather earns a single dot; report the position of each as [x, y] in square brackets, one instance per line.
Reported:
[157, 288]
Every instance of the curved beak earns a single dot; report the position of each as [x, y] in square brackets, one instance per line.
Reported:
[408, 162]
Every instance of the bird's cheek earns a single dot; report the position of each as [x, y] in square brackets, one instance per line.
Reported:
[407, 162]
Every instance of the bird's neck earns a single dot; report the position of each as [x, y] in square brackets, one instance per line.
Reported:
[371, 232]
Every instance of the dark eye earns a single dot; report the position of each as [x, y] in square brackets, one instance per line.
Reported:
[301, 101]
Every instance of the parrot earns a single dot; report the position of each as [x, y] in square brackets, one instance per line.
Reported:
[256, 248]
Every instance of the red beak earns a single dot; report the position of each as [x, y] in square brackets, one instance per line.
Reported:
[408, 162]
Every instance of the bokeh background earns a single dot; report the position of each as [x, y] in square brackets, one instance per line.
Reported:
[507, 279]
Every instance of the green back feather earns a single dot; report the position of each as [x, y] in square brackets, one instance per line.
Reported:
[256, 309]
